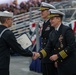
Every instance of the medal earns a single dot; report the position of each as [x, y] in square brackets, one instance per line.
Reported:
[60, 40]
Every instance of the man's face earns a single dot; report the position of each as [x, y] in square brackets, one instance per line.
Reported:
[44, 14]
[9, 22]
[55, 21]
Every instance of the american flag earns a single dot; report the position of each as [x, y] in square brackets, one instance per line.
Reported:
[72, 24]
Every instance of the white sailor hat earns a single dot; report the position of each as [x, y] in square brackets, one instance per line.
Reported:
[46, 6]
[6, 14]
[55, 13]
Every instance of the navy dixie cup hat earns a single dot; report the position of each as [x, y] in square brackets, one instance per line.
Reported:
[6, 14]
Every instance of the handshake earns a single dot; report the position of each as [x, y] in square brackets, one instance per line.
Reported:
[52, 58]
[35, 55]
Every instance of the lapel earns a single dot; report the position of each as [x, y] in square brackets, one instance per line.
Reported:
[45, 25]
[57, 35]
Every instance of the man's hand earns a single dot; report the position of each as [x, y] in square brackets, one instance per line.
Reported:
[35, 55]
[54, 57]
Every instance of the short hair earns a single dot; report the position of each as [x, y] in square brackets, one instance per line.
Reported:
[2, 19]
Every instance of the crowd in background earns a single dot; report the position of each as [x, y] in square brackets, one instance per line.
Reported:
[20, 8]
[24, 6]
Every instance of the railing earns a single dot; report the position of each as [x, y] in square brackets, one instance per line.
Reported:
[22, 23]
[70, 18]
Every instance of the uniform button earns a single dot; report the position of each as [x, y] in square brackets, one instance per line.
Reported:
[45, 38]
[44, 43]
[58, 48]
[54, 49]
[61, 61]
[66, 50]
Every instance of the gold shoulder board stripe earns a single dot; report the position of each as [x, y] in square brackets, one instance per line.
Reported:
[63, 54]
[43, 53]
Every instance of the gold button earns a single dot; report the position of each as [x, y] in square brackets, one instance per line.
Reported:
[58, 48]
[61, 61]
[44, 43]
[66, 50]
[45, 38]
[54, 49]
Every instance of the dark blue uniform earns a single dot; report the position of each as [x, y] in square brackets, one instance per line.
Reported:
[62, 42]
[47, 65]
[8, 41]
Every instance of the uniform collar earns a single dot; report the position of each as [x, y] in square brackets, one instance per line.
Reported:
[46, 20]
[58, 27]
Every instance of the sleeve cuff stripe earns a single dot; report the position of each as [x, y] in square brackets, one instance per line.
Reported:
[63, 54]
[43, 53]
